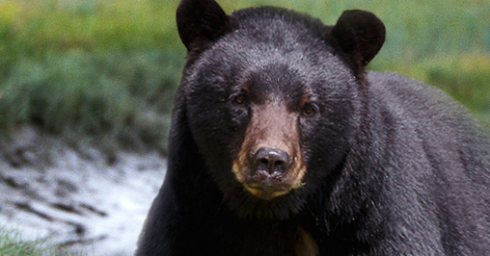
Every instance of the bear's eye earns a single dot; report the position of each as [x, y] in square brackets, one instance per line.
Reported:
[310, 109]
[240, 98]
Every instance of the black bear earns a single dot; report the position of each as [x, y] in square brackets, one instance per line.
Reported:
[282, 144]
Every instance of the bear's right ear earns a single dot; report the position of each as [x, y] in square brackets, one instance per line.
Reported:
[201, 22]
[359, 35]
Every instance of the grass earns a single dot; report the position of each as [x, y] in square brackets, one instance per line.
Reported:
[97, 68]
[125, 96]
[110, 68]
[11, 244]
[466, 78]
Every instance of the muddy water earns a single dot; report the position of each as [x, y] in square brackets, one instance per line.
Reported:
[80, 201]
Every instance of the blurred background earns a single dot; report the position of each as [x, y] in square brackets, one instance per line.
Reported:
[86, 87]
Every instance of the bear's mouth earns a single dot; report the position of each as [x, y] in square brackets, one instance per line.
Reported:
[268, 187]
[266, 192]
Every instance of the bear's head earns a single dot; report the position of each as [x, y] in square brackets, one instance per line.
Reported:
[273, 99]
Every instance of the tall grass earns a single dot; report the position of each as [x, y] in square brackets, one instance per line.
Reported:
[110, 67]
[124, 95]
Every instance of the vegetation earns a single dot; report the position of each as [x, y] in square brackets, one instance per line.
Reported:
[11, 244]
[109, 68]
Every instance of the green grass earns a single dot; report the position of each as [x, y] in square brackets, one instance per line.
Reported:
[125, 96]
[97, 68]
[110, 68]
[466, 78]
[12, 244]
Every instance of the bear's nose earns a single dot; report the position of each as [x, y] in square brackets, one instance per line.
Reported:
[271, 161]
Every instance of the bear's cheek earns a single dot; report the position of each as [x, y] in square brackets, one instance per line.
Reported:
[269, 163]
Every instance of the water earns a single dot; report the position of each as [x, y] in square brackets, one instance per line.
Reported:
[80, 202]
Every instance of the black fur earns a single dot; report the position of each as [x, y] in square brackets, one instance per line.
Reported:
[394, 166]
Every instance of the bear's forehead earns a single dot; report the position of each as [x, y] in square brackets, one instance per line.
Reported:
[274, 18]
[226, 62]
[271, 49]
[275, 32]
[272, 36]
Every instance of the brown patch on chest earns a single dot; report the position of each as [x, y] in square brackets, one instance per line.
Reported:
[306, 245]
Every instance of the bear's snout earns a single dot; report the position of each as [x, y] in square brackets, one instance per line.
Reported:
[269, 163]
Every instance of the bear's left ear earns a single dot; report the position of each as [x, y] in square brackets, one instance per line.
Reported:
[359, 35]
[201, 22]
